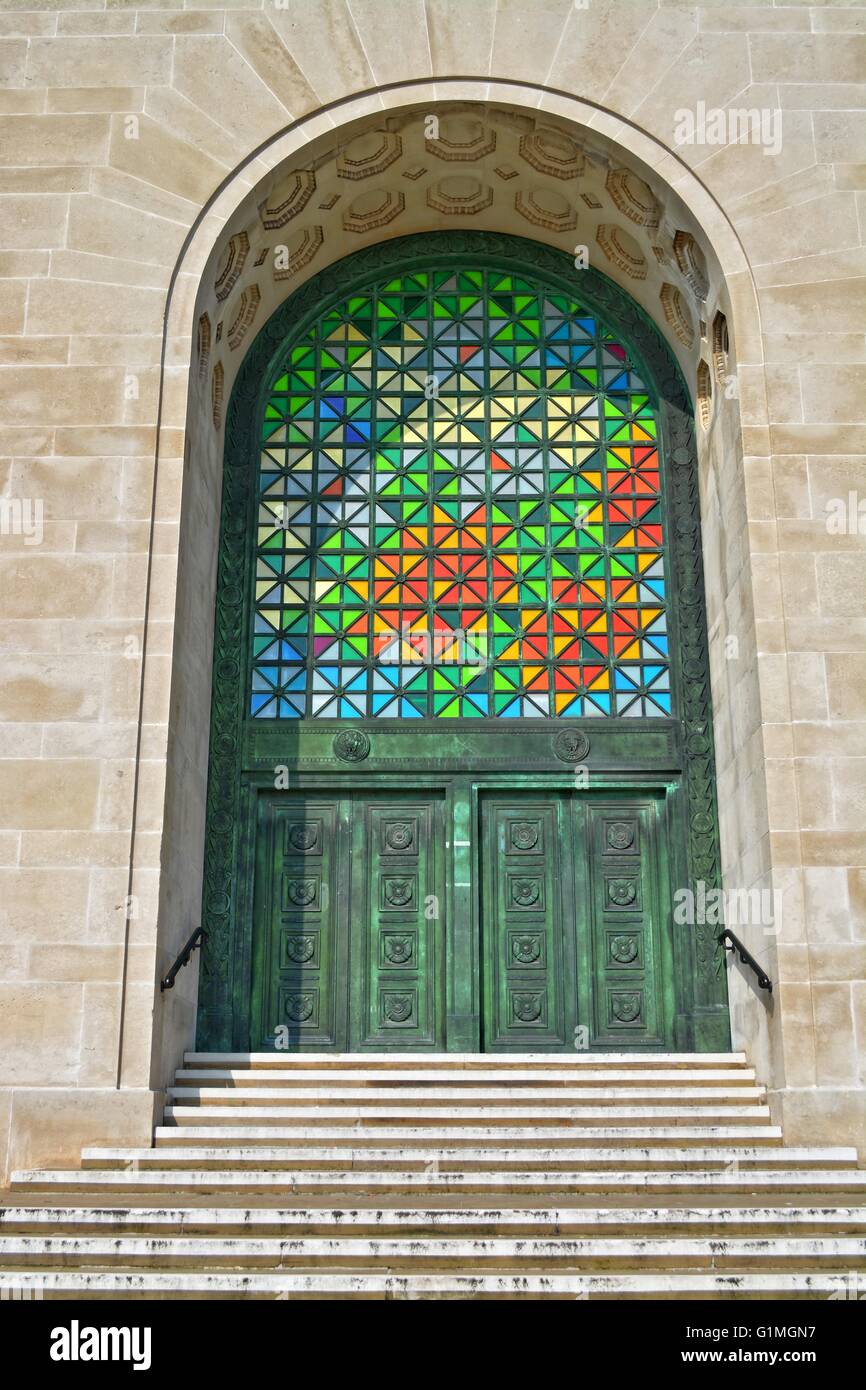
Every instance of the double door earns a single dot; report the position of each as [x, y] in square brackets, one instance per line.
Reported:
[461, 918]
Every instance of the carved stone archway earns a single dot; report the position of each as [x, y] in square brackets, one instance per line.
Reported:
[697, 253]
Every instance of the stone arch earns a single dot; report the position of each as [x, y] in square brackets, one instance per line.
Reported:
[647, 199]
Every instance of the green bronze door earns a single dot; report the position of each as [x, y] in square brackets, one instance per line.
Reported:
[354, 943]
[348, 935]
[573, 924]
[300, 940]
[461, 744]
[529, 929]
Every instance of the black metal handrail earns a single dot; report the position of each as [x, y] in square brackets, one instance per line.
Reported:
[167, 981]
[746, 957]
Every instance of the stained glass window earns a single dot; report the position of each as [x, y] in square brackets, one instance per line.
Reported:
[459, 512]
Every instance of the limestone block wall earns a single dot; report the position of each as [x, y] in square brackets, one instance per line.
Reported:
[136, 140]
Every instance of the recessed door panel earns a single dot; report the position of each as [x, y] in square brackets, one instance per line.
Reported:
[299, 991]
[624, 941]
[397, 956]
[527, 896]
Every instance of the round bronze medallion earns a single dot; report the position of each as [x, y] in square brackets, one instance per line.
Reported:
[526, 949]
[525, 892]
[398, 1007]
[398, 949]
[571, 745]
[623, 949]
[622, 891]
[527, 1007]
[299, 1007]
[399, 835]
[352, 745]
[524, 835]
[302, 891]
[398, 891]
[303, 837]
[300, 948]
[620, 835]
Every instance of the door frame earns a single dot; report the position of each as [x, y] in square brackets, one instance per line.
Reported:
[461, 795]
[679, 751]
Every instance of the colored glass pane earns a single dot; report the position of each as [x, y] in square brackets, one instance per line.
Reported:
[459, 512]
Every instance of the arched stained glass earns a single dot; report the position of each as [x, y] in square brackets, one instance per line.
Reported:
[459, 512]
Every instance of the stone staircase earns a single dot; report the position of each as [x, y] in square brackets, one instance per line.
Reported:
[279, 1175]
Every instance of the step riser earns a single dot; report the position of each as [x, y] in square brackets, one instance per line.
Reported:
[340, 1169]
[632, 1117]
[502, 1160]
[421, 1227]
[750, 1286]
[457, 1264]
[462, 1061]
[272, 1219]
[567, 1137]
[495, 1185]
[515, 1081]
[462, 1247]
[365, 1289]
[422, 1255]
[477, 1097]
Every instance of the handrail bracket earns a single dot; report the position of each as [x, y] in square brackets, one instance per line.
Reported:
[184, 957]
[746, 958]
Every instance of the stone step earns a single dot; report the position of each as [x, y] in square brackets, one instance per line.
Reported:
[459, 1061]
[421, 1253]
[174, 1285]
[492, 1182]
[372, 1116]
[464, 1095]
[384, 1137]
[649, 1220]
[282, 1161]
[288, 1157]
[239, 1079]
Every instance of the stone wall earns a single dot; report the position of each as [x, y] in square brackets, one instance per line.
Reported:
[136, 141]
